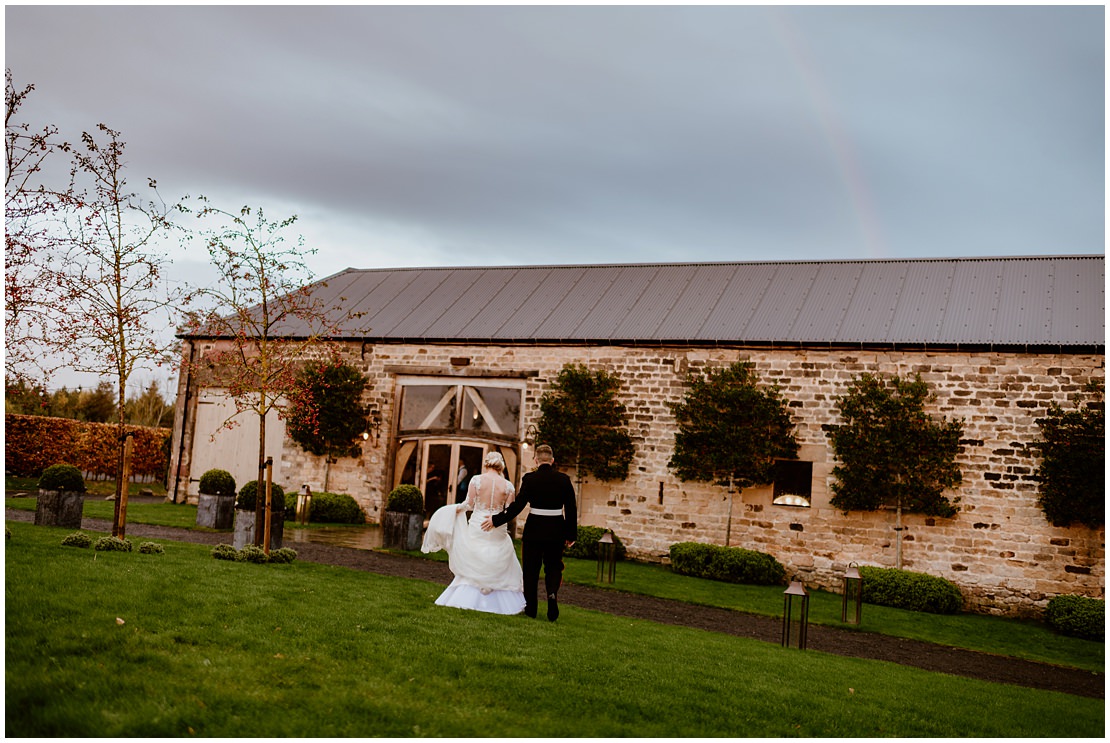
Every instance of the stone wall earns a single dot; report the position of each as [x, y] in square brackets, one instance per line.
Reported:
[999, 548]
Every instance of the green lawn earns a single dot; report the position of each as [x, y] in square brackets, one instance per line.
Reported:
[127, 645]
[1001, 636]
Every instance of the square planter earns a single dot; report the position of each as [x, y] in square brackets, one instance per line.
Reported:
[244, 528]
[402, 531]
[216, 511]
[59, 508]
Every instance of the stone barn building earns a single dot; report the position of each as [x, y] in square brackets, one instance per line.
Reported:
[457, 360]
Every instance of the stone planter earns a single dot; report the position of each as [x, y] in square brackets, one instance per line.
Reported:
[244, 528]
[402, 531]
[216, 511]
[59, 508]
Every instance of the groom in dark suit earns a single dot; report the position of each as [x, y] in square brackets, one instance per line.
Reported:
[552, 525]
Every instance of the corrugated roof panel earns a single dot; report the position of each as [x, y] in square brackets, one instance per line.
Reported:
[870, 311]
[655, 304]
[691, 311]
[822, 312]
[920, 312]
[782, 303]
[615, 303]
[1024, 300]
[984, 301]
[583, 288]
[1078, 301]
[973, 303]
[739, 302]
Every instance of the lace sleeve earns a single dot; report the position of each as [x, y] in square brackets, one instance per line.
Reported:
[471, 494]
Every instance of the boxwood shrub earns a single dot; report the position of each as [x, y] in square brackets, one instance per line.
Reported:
[335, 508]
[77, 539]
[217, 482]
[225, 552]
[112, 544]
[249, 492]
[151, 548]
[585, 546]
[405, 499]
[904, 589]
[62, 477]
[283, 555]
[1078, 616]
[730, 564]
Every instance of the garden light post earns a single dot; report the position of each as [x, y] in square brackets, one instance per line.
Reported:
[853, 593]
[304, 504]
[269, 483]
[606, 558]
[795, 628]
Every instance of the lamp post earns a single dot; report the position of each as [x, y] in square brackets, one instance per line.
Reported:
[794, 629]
[853, 593]
[606, 558]
[304, 504]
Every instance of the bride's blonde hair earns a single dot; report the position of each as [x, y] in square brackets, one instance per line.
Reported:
[494, 461]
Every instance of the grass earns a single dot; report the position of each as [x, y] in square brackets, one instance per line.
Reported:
[212, 648]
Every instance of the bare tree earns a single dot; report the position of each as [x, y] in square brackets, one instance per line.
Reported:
[263, 316]
[115, 301]
[30, 246]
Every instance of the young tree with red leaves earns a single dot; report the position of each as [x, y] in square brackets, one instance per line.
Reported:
[262, 317]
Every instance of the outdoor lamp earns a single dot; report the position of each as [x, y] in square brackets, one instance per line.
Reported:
[853, 593]
[304, 502]
[795, 615]
[606, 558]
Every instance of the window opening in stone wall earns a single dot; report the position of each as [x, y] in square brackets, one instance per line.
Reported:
[489, 406]
[793, 483]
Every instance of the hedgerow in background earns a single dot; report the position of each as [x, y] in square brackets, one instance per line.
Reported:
[904, 589]
[32, 443]
[1072, 473]
[730, 564]
[585, 424]
[334, 508]
[891, 453]
[326, 416]
[731, 431]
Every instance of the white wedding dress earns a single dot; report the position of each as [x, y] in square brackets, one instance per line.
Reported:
[487, 573]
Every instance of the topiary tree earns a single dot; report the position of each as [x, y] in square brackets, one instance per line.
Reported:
[217, 482]
[731, 431]
[62, 477]
[326, 416]
[891, 453]
[1073, 459]
[248, 497]
[405, 499]
[582, 420]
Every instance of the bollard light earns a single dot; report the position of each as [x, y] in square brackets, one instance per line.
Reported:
[795, 615]
[853, 594]
[606, 558]
[304, 503]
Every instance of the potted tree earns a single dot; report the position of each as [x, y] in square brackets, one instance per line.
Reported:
[245, 514]
[216, 503]
[403, 519]
[61, 497]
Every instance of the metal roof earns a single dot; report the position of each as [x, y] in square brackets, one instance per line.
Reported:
[995, 302]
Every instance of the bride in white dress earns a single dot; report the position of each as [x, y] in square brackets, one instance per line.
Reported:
[487, 573]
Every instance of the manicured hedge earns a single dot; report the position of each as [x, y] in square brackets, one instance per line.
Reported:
[405, 499]
[249, 492]
[335, 508]
[1078, 616]
[32, 443]
[730, 564]
[904, 589]
[585, 547]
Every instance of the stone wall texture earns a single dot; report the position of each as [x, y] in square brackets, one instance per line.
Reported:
[999, 548]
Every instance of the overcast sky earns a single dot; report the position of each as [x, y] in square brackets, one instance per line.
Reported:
[423, 136]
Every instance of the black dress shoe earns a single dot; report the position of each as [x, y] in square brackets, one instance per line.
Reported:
[552, 608]
[530, 612]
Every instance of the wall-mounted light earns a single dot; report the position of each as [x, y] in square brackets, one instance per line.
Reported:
[530, 435]
[374, 426]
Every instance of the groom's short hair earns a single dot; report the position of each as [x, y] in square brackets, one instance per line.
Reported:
[544, 453]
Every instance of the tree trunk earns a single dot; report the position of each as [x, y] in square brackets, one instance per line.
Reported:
[898, 533]
[260, 495]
